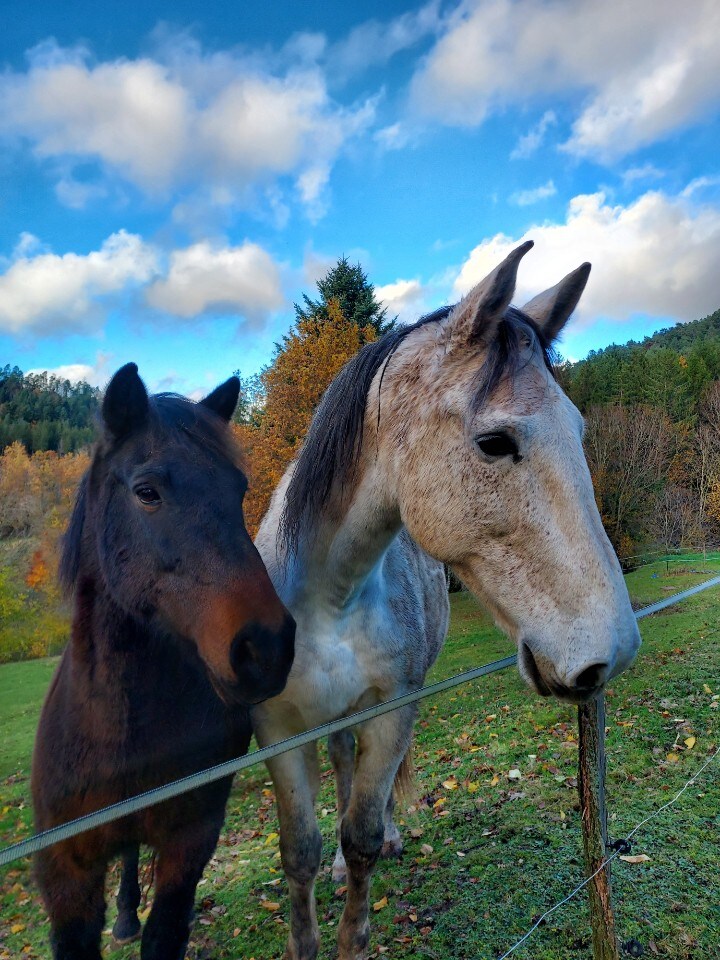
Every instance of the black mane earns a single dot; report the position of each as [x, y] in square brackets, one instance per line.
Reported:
[329, 454]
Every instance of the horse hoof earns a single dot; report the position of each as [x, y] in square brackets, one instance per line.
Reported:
[126, 930]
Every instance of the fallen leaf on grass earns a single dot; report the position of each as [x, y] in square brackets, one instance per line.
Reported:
[672, 758]
[636, 858]
[380, 904]
[269, 905]
[690, 742]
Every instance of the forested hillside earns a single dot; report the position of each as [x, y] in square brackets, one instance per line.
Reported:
[652, 414]
[670, 370]
[44, 412]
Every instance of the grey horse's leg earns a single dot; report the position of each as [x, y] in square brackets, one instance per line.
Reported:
[341, 747]
[297, 781]
[392, 841]
[382, 743]
[127, 926]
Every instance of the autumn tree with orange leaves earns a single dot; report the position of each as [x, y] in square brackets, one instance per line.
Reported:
[311, 356]
[327, 332]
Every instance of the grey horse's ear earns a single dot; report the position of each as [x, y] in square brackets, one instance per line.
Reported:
[125, 404]
[478, 314]
[224, 398]
[551, 310]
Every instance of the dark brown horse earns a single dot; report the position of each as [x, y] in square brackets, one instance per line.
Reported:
[176, 628]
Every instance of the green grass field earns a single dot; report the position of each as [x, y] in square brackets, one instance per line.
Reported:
[485, 854]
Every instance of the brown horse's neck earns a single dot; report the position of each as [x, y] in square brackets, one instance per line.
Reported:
[117, 663]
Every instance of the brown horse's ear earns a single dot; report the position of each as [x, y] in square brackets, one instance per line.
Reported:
[551, 310]
[125, 405]
[224, 398]
[478, 314]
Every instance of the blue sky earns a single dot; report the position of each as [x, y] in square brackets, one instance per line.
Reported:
[175, 176]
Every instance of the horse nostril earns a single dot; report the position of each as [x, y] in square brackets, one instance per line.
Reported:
[591, 677]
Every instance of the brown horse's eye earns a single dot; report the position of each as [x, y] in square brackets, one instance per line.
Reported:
[497, 445]
[148, 496]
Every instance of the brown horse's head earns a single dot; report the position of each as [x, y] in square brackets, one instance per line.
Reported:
[159, 523]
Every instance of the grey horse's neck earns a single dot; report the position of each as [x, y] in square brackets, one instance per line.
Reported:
[331, 564]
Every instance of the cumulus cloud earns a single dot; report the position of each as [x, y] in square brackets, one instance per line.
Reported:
[226, 122]
[375, 42]
[404, 298]
[204, 279]
[528, 144]
[647, 171]
[638, 71]
[524, 198]
[656, 257]
[96, 374]
[46, 293]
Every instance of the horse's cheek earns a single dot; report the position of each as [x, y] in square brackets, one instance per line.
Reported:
[125, 556]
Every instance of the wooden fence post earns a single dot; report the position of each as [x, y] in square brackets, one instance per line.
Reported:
[591, 786]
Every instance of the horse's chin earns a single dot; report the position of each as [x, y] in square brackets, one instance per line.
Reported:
[547, 687]
[232, 697]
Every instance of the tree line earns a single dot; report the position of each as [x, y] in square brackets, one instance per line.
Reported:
[44, 412]
[652, 414]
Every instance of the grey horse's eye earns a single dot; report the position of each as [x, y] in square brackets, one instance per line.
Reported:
[496, 445]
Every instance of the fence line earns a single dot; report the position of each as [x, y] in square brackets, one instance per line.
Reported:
[133, 805]
[622, 845]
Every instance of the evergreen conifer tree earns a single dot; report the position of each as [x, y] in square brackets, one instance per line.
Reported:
[347, 285]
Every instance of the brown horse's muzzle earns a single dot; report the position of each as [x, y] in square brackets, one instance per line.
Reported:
[261, 659]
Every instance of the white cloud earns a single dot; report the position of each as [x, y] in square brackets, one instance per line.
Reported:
[525, 198]
[224, 123]
[77, 195]
[656, 257]
[203, 279]
[130, 114]
[376, 42]
[700, 183]
[404, 298]
[647, 171]
[640, 70]
[47, 293]
[396, 136]
[97, 374]
[533, 139]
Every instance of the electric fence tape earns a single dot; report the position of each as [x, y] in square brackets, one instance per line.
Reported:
[133, 805]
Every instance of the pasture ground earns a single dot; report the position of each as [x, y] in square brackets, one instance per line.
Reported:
[486, 851]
